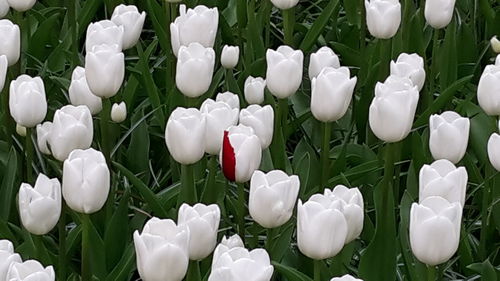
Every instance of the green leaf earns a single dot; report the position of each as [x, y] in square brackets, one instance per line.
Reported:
[9, 187]
[485, 269]
[125, 266]
[117, 235]
[291, 274]
[318, 25]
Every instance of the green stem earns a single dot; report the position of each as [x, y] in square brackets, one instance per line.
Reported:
[193, 273]
[486, 195]
[71, 6]
[188, 186]
[432, 78]
[269, 241]
[325, 154]
[278, 146]
[105, 115]
[385, 57]
[241, 210]
[288, 25]
[29, 155]
[431, 273]
[7, 120]
[317, 270]
[362, 31]
[62, 245]
[210, 192]
[390, 158]
[86, 270]
[228, 73]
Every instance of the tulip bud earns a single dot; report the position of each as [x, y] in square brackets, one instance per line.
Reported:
[261, 119]
[7, 257]
[203, 224]
[219, 116]
[20, 130]
[104, 32]
[383, 17]
[435, 230]
[494, 150]
[488, 90]
[284, 71]
[132, 22]
[4, 8]
[4, 63]
[438, 13]
[443, 179]
[231, 99]
[42, 136]
[321, 227]
[241, 153]
[80, 94]
[195, 68]
[10, 45]
[86, 180]
[495, 44]
[324, 57]
[119, 112]
[331, 93]
[254, 90]
[185, 135]
[449, 135]
[27, 102]
[285, 4]
[30, 270]
[198, 25]
[411, 67]
[234, 264]
[40, 206]
[21, 5]
[232, 242]
[272, 197]
[230, 56]
[162, 250]
[346, 277]
[393, 109]
[105, 70]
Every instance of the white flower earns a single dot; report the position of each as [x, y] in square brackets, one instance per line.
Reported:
[80, 93]
[10, 45]
[438, 13]
[488, 90]
[231, 99]
[324, 57]
[27, 102]
[261, 119]
[104, 32]
[195, 68]
[443, 179]
[219, 116]
[132, 22]
[119, 112]
[383, 17]
[105, 70]
[410, 66]
[229, 57]
[254, 90]
[449, 135]
[284, 71]
[30, 270]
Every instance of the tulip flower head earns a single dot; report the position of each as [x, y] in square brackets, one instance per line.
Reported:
[27, 102]
[261, 119]
[346, 277]
[7, 257]
[4, 63]
[438, 13]
[284, 4]
[195, 68]
[20, 130]
[449, 136]
[21, 5]
[10, 45]
[104, 32]
[494, 150]
[443, 179]
[324, 57]
[80, 93]
[435, 229]
[30, 270]
[497, 61]
[40, 206]
[162, 250]
[284, 71]
[410, 66]
[229, 57]
[119, 112]
[231, 99]
[105, 70]
[42, 136]
[219, 116]
[254, 90]
[232, 242]
[241, 153]
[383, 17]
[4, 8]
[132, 22]
[488, 90]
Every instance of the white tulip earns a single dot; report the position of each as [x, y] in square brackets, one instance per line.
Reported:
[494, 150]
[86, 180]
[231, 99]
[42, 136]
[20, 130]
[393, 109]
[4, 63]
[185, 135]
[195, 68]
[4, 8]
[80, 93]
[488, 90]
[331, 93]
[324, 57]
[40, 206]
[284, 4]
[132, 22]
[104, 32]
[383, 17]
[229, 57]
[7, 257]
[495, 44]
[438, 13]
[21, 5]
[30, 270]
[232, 242]
[203, 224]
[272, 197]
[435, 230]
[194, 25]
[27, 102]
[284, 71]
[105, 70]
[119, 112]
[346, 277]
[410, 66]
[219, 116]
[449, 136]
[497, 60]
[10, 45]
[443, 179]
[162, 251]
[254, 90]
[261, 119]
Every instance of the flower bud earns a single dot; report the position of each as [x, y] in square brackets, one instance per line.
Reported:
[393, 109]
[21, 5]
[231, 99]
[195, 68]
[230, 56]
[494, 150]
[119, 112]
[411, 67]
[10, 45]
[346, 277]
[435, 230]
[27, 102]
[383, 17]
[104, 32]
[86, 180]
[495, 44]
[80, 93]
[7, 257]
[30, 270]
[438, 13]
[241, 153]
[42, 136]
[40, 206]
[162, 250]
[20, 130]
[4, 63]
[254, 90]
[331, 93]
[324, 57]
[284, 71]
[272, 197]
[219, 116]
[105, 70]
[197, 25]
[132, 22]
[185, 135]
[488, 90]
[443, 179]
[449, 135]
[203, 224]
[261, 119]
[284, 4]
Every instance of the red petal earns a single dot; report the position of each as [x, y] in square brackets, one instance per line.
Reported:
[228, 158]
